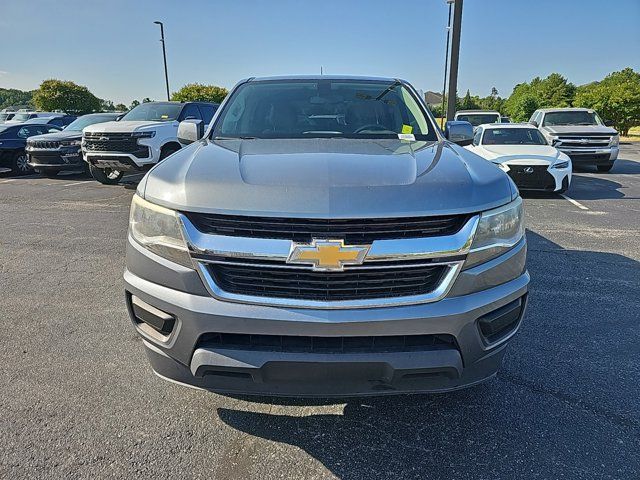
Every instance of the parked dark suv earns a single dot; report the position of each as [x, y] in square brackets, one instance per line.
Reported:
[13, 140]
[60, 121]
[51, 153]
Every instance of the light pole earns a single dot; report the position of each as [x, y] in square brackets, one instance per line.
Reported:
[164, 55]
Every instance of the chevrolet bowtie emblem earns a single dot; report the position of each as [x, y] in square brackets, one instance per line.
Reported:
[327, 254]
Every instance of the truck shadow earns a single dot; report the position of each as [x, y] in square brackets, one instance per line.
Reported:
[560, 406]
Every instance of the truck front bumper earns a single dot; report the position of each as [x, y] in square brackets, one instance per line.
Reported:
[592, 156]
[237, 348]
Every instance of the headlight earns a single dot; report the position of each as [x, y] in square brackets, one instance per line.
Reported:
[158, 230]
[498, 231]
[563, 164]
[148, 134]
[615, 141]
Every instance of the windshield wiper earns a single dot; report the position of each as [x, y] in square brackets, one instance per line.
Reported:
[234, 138]
[388, 89]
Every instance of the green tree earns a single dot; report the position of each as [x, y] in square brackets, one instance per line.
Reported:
[11, 97]
[616, 98]
[121, 107]
[551, 92]
[469, 102]
[193, 92]
[107, 106]
[146, 100]
[67, 96]
[134, 104]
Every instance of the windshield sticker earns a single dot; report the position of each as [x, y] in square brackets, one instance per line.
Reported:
[407, 136]
[164, 117]
[407, 129]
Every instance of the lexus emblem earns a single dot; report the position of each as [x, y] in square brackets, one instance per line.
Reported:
[528, 170]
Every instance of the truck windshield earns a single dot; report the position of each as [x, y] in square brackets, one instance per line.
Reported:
[342, 108]
[571, 118]
[513, 136]
[154, 111]
[86, 120]
[476, 119]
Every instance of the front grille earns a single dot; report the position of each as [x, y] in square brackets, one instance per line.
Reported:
[353, 231]
[584, 141]
[350, 284]
[111, 142]
[48, 144]
[539, 179]
[305, 344]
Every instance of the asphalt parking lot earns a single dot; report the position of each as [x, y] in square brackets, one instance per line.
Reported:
[80, 401]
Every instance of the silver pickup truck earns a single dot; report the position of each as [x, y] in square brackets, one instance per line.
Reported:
[324, 238]
[581, 134]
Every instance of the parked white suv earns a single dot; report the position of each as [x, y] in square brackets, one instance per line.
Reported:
[140, 139]
[22, 116]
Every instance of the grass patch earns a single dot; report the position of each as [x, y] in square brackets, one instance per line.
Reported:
[634, 135]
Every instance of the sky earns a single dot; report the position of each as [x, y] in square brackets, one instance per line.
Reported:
[113, 47]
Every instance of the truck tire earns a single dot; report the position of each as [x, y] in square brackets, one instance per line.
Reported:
[605, 168]
[168, 150]
[106, 176]
[19, 165]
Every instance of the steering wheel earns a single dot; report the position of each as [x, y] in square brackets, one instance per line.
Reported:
[372, 126]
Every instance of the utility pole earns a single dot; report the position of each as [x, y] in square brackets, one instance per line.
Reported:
[455, 56]
[164, 55]
[446, 66]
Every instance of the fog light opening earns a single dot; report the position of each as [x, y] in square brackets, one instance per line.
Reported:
[498, 324]
[150, 319]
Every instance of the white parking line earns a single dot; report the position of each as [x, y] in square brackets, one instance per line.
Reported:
[80, 182]
[571, 200]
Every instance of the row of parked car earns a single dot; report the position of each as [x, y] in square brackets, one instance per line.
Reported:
[105, 144]
[537, 155]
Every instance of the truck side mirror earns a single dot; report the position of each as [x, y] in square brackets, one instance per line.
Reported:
[459, 132]
[190, 131]
[534, 123]
[609, 123]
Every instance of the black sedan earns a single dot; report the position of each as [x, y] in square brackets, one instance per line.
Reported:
[13, 140]
[51, 153]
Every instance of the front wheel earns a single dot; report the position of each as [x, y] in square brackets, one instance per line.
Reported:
[19, 164]
[605, 168]
[106, 176]
[565, 185]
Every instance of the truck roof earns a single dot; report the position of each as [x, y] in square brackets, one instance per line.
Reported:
[477, 111]
[566, 109]
[322, 77]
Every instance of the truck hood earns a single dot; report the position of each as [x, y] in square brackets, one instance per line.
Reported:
[580, 129]
[57, 136]
[330, 178]
[505, 153]
[126, 126]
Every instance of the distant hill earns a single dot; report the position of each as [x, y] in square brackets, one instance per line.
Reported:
[11, 97]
